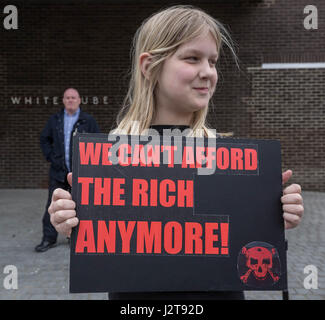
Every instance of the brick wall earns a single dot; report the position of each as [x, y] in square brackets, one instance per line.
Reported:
[86, 45]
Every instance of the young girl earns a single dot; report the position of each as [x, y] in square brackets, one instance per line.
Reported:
[173, 79]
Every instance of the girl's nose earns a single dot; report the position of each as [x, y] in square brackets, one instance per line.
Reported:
[207, 70]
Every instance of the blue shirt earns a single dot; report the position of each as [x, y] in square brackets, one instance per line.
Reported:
[69, 122]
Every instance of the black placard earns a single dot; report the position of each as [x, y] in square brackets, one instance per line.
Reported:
[176, 214]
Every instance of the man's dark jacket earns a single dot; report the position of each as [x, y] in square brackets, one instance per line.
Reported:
[52, 141]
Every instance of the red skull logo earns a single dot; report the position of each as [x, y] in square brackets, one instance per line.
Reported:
[260, 263]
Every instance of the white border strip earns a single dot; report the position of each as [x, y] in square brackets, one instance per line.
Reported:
[311, 65]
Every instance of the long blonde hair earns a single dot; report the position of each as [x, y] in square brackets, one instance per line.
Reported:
[160, 35]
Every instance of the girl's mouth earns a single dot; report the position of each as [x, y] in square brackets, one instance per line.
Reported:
[202, 89]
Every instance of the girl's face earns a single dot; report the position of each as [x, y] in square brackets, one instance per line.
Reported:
[188, 78]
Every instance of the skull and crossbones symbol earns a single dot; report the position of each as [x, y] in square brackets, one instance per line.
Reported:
[259, 261]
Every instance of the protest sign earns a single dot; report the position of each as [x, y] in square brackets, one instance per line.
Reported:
[175, 213]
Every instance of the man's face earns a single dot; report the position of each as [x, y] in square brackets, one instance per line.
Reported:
[71, 101]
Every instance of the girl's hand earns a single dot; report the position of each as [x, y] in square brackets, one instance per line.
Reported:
[62, 210]
[292, 202]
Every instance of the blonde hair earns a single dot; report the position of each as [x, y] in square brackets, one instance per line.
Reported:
[160, 35]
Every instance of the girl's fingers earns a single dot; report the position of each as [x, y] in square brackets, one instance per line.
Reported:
[296, 209]
[293, 208]
[57, 197]
[66, 226]
[292, 198]
[291, 220]
[61, 204]
[293, 188]
[60, 194]
[63, 215]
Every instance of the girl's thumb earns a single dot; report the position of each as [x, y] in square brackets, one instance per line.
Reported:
[286, 176]
[69, 178]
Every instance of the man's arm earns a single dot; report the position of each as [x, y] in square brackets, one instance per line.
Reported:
[94, 126]
[46, 140]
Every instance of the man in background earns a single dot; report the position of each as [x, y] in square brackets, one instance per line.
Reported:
[56, 145]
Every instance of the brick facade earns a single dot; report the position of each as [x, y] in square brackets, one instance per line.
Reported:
[86, 45]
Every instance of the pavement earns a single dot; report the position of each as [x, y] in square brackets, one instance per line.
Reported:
[45, 276]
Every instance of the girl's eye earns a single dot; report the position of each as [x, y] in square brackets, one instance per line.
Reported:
[193, 59]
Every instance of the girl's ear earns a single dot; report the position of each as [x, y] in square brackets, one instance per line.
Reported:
[145, 61]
